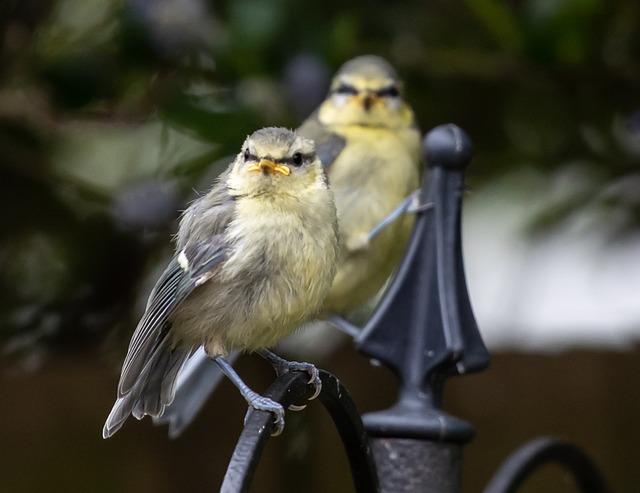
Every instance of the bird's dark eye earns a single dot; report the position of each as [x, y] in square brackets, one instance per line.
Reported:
[345, 89]
[297, 159]
[391, 91]
[247, 155]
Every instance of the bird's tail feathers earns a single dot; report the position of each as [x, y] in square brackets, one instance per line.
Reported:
[196, 380]
[153, 391]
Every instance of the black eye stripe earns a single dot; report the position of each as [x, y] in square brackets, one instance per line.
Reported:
[283, 160]
[391, 91]
[289, 160]
[345, 89]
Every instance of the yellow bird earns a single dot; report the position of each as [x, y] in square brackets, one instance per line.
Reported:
[368, 140]
[255, 258]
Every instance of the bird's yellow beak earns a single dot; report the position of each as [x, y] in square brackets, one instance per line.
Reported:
[269, 167]
[368, 99]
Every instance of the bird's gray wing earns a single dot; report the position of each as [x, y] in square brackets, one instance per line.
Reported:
[192, 266]
[328, 144]
[149, 373]
[200, 249]
[150, 370]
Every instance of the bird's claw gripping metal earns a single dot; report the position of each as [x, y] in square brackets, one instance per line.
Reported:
[314, 378]
[281, 366]
[261, 403]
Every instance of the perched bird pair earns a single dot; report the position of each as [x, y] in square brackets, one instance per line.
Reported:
[256, 256]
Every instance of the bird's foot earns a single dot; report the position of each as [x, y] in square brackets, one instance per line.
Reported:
[410, 204]
[281, 366]
[314, 377]
[261, 403]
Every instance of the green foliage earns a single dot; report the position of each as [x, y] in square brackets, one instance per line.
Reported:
[100, 99]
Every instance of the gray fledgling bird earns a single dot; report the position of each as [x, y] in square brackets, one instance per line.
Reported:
[255, 258]
[368, 140]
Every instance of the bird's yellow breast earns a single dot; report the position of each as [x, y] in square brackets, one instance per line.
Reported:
[376, 163]
[375, 171]
[280, 268]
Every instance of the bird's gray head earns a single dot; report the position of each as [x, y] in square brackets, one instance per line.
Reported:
[275, 159]
[371, 66]
[369, 77]
[366, 91]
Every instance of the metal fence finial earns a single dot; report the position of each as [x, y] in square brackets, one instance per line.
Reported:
[424, 328]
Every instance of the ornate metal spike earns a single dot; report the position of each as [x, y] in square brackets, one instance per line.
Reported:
[424, 328]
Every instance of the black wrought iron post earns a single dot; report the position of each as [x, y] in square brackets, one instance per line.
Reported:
[425, 331]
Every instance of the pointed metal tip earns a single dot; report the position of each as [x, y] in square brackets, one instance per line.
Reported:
[447, 146]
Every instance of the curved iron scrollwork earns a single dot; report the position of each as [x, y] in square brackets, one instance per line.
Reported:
[292, 388]
[531, 456]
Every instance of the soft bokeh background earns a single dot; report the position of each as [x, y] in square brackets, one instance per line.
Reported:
[113, 112]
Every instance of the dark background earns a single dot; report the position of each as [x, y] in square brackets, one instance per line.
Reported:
[112, 113]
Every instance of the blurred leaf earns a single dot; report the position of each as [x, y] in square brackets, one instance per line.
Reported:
[77, 25]
[207, 117]
[539, 121]
[77, 79]
[562, 30]
[500, 21]
[111, 112]
[105, 157]
[166, 30]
